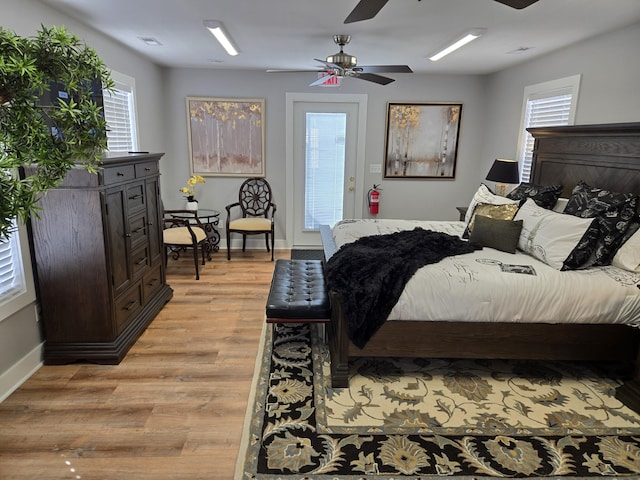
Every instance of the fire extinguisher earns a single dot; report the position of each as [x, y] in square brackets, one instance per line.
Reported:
[373, 197]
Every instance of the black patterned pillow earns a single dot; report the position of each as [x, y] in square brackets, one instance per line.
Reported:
[545, 196]
[614, 211]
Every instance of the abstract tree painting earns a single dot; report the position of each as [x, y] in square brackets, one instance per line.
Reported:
[226, 136]
[422, 140]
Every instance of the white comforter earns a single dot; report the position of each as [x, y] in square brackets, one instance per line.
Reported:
[474, 287]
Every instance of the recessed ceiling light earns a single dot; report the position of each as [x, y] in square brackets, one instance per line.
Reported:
[218, 31]
[150, 41]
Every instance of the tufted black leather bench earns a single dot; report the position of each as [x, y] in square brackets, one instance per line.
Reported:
[298, 293]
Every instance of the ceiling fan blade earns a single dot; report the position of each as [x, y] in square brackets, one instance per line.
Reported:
[293, 71]
[518, 4]
[364, 10]
[329, 65]
[384, 69]
[372, 77]
[321, 80]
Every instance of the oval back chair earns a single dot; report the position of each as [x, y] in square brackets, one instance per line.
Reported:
[254, 213]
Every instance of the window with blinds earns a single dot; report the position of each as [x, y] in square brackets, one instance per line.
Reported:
[12, 282]
[119, 112]
[324, 168]
[545, 105]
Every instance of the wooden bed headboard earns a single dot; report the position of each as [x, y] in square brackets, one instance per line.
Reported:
[605, 156]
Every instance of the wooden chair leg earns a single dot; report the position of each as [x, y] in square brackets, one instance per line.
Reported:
[266, 239]
[228, 245]
[272, 244]
[244, 242]
[195, 260]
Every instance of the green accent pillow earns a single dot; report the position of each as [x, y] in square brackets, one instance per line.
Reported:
[496, 233]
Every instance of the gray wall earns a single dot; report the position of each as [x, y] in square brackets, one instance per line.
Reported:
[490, 122]
[609, 87]
[425, 197]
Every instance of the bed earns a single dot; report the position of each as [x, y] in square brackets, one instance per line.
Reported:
[604, 156]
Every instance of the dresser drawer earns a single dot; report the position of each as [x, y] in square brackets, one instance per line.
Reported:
[151, 282]
[127, 306]
[120, 173]
[135, 197]
[146, 169]
[138, 230]
[139, 260]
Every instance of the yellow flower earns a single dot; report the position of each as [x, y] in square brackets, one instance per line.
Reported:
[190, 190]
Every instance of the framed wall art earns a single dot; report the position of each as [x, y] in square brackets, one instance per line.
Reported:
[226, 136]
[422, 140]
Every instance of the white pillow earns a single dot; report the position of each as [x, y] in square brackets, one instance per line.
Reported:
[628, 255]
[484, 195]
[547, 235]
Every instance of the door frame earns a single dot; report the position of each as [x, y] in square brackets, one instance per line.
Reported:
[291, 99]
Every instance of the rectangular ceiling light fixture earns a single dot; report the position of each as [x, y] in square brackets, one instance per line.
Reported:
[218, 31]
[468, 37]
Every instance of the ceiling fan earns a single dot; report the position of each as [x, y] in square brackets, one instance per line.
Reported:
[342, 64]
[366, 9]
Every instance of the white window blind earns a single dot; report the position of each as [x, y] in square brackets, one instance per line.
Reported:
[324, 168]
[545, 105]
[119, 112]
[12, 281]
[543, 112]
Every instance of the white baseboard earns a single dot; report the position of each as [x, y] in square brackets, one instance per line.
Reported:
[20, 372]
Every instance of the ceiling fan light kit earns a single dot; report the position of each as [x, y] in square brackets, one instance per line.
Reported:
[217, 30]
[466, 38]
[342, 59]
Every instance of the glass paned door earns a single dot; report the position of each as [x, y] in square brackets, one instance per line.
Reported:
[324, 168]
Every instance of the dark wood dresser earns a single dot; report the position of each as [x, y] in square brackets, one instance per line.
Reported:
[99, 260]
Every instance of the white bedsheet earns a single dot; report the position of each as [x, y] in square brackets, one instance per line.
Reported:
[473, 287]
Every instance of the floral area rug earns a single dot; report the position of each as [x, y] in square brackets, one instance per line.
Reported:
[432, 418]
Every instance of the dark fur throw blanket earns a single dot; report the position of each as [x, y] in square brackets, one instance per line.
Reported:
[370, 273]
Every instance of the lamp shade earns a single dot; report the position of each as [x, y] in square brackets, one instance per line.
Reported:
[504, 171]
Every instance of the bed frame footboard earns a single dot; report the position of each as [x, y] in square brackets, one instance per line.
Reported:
[488, 340]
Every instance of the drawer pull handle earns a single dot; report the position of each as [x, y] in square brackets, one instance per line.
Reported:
[153, 282]
[139, 229]
[131, 305]
[142, 261]
[147, 169]
[133, 197]
[127, 235]
[120, 174]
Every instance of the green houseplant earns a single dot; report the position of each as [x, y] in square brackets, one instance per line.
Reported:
[50, 135]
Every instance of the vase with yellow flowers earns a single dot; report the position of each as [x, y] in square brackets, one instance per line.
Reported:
[190, 191]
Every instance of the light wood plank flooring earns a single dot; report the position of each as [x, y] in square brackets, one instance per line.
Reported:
[173, 409]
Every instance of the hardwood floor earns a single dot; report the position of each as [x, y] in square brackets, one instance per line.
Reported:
[173, 409]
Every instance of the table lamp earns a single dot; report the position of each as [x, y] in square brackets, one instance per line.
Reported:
[503, 172]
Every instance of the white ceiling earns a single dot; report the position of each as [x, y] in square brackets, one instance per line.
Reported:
[289, 34]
